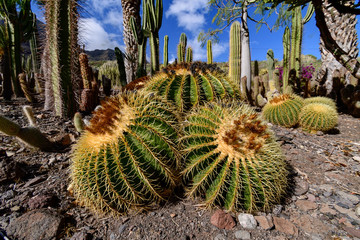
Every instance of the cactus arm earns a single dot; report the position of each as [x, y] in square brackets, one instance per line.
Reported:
[166, 51]
[209, 52]
[28, 111]
[309, 13]
[270, 62]
[235, 53]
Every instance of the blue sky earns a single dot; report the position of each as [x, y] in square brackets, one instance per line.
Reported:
[101, 28]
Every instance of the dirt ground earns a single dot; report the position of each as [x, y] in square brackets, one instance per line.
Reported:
[324, 204]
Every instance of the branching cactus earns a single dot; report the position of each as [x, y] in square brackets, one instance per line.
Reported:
[188, 85]
[232, 159]
[181, 48]
[189, 55]
[283, 110]
[127, 157]
[318, 117]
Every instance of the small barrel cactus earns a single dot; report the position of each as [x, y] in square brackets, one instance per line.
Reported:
[318, 117]
[283, 110]
[323, 100]
[187, 85]
[232, 158]
[127, 157]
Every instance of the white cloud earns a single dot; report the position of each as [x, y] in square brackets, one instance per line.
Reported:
[199, 53]
[114, 18]
[94, 36]
[189, 13]
[100, 6]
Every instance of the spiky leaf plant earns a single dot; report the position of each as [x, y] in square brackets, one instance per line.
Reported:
[188, 85]
[283, 110]
[232, 158]
[318, 117]
[126, 158]
[323, 100]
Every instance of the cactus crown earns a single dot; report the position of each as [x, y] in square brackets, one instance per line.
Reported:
[231, 158]
[280, 99]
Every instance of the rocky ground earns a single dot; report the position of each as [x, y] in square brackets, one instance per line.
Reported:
[325, 203]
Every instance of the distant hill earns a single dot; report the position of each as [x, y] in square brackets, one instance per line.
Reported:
[101, 55]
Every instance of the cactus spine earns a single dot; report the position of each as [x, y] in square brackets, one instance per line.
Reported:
[189, 55]
[121, 66]
[296, 40]
[191, 84]
[283, 110]
[209, 52]
[235, 53]
[232, 158]
[323, 100]
[126, 158]
[286, 58]
[318, 117]
[166, 51]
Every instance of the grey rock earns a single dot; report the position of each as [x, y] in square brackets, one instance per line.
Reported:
[37, 224]
[277, 209]
[343, 205]
[220, 237]
[316, 237]
[8, 194]
[327, 194]
[241, 234]
[301, 187]
[357, 211]
[81, 236]
[247, 221]
[352, 198]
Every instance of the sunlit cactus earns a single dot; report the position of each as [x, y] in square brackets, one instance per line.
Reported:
[283, 110]
[232, 160]
[188, 85]
[127, 157]
[318, 117]
[323, 100]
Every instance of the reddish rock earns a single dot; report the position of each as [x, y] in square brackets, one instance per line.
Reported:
[42, 201]
[310, 224]
[222, 220]
[265, 222]
[327, 210]
[285, 226]
[306, 205]
[352, 231]
[34, 225]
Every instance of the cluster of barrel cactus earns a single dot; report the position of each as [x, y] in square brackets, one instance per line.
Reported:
[139, 146]
[312, 114]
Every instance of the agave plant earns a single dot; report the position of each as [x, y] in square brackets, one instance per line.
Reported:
[232, 158]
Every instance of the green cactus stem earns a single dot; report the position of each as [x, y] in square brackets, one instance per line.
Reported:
[296, 40]
[232, 159]
[189, 55]
[209, 52]
[270, 61]
[318, 117]
[86, 71]
[166, 51]
[283, 110]
[79, 122]
[188, 85]
[28, 112]
[121, 66]
[127, 157]
[181, 48]
[286, 57]
[29, 135]
[235, 53]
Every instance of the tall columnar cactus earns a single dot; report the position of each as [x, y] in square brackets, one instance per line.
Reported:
[286, 58]
[189, 55]
[232, 159]
[256, 68]
[270, 60]
[63, 52]
[188, 85]
[121, 66]
[181, 48]
[110, 69]
[318, 117]
[127, 157]
[166, 51]
[86, 71]
[283, 110]
[154, 21]
[235, 53]
[209, 52]
[296, 40]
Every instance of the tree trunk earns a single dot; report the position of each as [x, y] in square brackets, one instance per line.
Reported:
[245, 49]
[349, 62]
[130, 8]
[343, 31]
